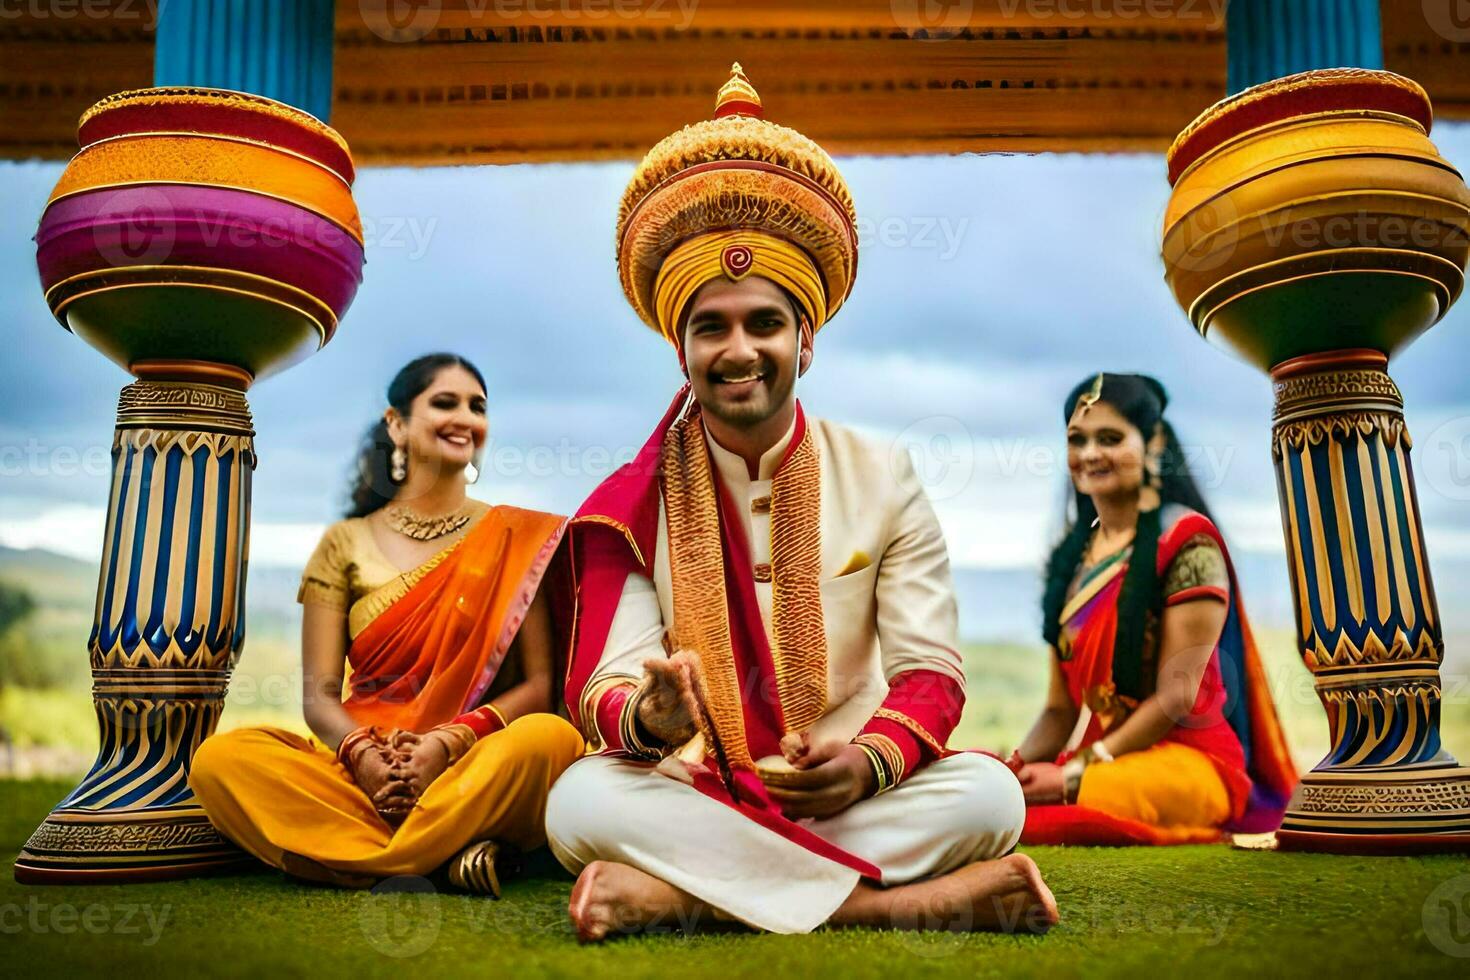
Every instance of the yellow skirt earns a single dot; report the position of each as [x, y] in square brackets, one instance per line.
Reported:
[275, 793]
[1169, 786]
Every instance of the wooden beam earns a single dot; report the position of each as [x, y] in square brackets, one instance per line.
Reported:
[499, 81]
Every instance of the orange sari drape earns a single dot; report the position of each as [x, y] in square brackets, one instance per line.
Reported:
[434, 653]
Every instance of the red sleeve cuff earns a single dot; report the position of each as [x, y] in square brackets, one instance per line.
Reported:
[608, 716]
[616, 724]
[484, 720]
[912, 726]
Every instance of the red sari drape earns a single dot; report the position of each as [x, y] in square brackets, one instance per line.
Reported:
[1233, 721]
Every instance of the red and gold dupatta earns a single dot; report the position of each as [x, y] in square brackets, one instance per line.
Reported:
[754, 693]
[434, 653]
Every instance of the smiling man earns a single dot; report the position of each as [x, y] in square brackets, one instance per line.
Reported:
[764, 640]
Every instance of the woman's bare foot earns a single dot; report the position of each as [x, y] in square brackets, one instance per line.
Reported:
[610, 897]
[1005, 895]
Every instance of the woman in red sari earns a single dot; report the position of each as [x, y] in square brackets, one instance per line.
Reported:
[1159, 727]
[444, 748]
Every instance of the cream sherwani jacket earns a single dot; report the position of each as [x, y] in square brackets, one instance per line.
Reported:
[888, 607]
[887, 598]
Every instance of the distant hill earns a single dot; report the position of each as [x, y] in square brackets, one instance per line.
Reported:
[65, 590]
[53, 580]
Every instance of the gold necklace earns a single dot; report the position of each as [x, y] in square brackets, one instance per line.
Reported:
[420, 528]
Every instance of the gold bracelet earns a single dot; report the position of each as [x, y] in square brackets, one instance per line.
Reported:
[880, 774]
[887, 758]
[350, 741]
[628, 723]
[462, 738]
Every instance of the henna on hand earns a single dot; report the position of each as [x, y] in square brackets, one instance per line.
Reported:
[375, 765]
[428, 757]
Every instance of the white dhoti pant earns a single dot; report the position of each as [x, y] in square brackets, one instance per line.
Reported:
[955, 811]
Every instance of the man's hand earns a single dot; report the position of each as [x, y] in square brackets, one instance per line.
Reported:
[668, 701]
[823, 788]
[1042, 782]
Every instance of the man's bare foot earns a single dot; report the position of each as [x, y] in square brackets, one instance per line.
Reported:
[1005, 895]
[617, 898]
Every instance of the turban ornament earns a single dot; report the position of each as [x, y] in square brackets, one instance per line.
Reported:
[731, 197]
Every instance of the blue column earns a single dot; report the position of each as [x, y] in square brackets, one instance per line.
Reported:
[1267, 39]
[277, 48]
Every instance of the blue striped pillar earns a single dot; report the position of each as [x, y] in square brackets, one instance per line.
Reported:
[1368, 625]
[167, 629]
[282, 50]
[1267, 39]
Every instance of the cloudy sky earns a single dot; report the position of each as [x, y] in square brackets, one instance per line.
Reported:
[987, 286]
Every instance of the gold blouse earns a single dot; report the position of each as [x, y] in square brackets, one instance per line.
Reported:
[349, 572]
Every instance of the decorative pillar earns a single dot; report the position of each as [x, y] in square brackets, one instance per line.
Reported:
[1266, 39]
[201, 239]
[1315, 230]
[169, 624]
[280, 50]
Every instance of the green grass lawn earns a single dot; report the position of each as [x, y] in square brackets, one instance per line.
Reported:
[1190, 911]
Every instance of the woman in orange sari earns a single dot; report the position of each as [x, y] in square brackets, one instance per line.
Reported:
[443, 750]
[1159, 727]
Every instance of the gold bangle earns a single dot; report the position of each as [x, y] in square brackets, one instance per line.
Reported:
[628, 723]
[880, 772]
[350, 741]
[462, 738]
[886, 756]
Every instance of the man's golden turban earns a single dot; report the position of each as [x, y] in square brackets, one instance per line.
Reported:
[735, 196]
